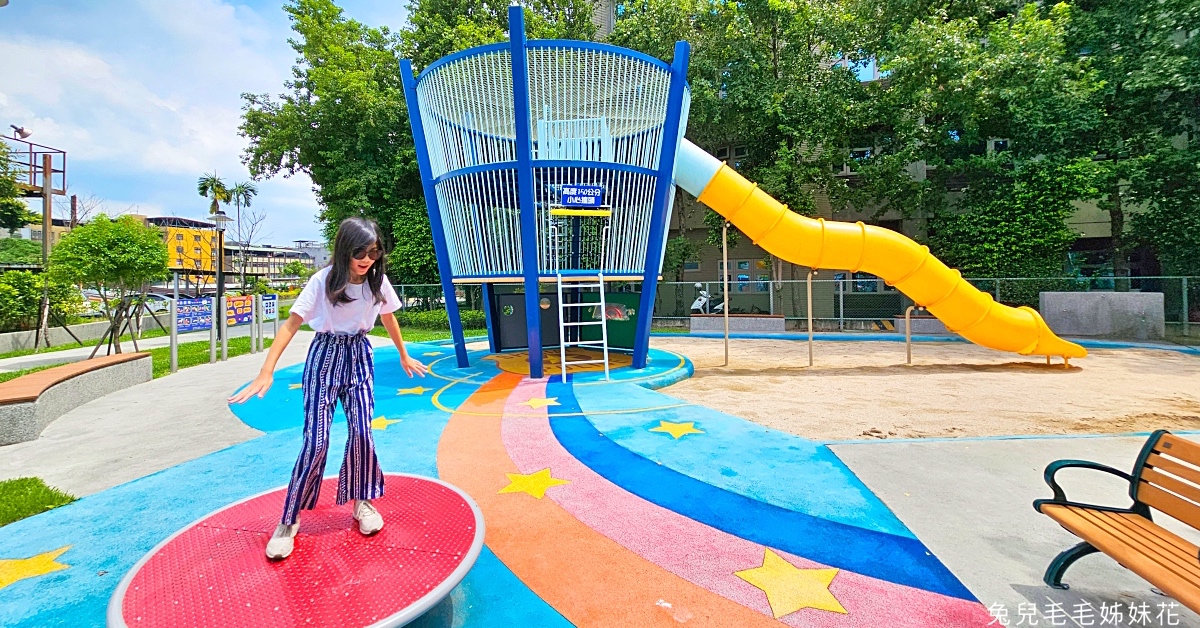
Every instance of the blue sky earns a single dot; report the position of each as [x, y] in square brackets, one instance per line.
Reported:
[144, 95]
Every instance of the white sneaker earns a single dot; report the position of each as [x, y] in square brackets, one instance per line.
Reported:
[281, 543]
[369, 519]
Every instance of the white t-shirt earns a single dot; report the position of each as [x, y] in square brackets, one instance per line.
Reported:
[344, 318]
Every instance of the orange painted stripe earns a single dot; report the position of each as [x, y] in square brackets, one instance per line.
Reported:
[589, 578]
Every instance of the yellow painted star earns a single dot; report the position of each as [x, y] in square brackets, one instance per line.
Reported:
[534, 483]
[381, 422]
[415, 390]
[678, 430]
[295, 386]
[541, 402]
[790, 588]
[431, 353]
[12, 570]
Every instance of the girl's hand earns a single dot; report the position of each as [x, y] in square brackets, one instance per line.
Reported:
[259, 386]
[412, 365]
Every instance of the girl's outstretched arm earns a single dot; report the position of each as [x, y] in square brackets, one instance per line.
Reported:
[410, 364]
[262, 383]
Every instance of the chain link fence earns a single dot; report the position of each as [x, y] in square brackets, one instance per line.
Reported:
[843, 302]
[846, 302]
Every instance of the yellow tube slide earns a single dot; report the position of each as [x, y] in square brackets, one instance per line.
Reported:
[896, 259]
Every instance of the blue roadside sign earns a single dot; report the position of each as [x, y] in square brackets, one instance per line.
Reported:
[193, 314]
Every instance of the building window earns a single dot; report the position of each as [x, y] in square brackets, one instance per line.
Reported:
[690, 267]
[196, 237]
[865, 282]
[178, 236]
[997, 145]
[740, 151]
[179, 262]
[197, 250]
[196, 264]
[179, 249]
[723, 153]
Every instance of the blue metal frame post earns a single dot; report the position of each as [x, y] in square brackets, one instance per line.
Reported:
[662, 201]
[435, 215]
[524, 150]
[489, 300]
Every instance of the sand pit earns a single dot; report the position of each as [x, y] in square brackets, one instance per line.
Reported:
[860, 390]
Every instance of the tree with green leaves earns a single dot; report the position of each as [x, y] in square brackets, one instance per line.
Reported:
[344, 124]
[116, 258]
[343, 121]
[21, 298]
[214, 188]
[14, 214]
[1147, 57]
[242, 195]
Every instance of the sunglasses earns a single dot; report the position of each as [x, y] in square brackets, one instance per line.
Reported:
[372, 253]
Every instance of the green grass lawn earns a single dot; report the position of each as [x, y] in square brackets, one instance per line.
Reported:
[194, 353]
[414, 334]
[25, 497]
[146, 333]
[4, 377]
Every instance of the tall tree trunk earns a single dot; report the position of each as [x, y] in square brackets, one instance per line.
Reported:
[1116, 222]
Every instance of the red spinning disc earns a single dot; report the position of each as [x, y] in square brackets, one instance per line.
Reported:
[215, 571]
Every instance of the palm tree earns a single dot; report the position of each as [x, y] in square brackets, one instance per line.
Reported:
[242, 195]
[212, 187]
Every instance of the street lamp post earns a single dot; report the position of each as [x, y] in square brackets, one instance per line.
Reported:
[220, 219]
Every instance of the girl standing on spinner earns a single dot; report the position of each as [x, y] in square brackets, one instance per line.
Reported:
[340, 302]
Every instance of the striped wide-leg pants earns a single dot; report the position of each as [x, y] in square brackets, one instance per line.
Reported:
[339, 368]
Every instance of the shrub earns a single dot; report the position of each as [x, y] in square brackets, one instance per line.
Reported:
[21, 299]
[437, 319]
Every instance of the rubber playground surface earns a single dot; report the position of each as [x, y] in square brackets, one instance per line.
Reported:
[606, 503]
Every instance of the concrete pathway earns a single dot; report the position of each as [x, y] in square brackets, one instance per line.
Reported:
[144, 429]
[970, 502]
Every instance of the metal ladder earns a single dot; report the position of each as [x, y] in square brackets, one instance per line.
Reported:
[564, 307]
[563, 325]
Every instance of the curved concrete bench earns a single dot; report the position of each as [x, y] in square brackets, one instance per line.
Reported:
[31, 402]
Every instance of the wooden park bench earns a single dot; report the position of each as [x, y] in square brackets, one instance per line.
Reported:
[1166, 478]
[31, 402]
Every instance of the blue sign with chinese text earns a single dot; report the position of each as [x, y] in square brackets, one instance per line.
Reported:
[582, 196]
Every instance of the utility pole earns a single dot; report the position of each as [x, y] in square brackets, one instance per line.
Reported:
[74, 211]
[47, 211]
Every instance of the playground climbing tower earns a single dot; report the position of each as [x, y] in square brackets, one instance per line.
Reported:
[549, 162]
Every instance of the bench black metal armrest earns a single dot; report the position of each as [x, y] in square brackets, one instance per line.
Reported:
[1060, 497]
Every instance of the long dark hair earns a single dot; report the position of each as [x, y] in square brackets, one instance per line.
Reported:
[354, 235]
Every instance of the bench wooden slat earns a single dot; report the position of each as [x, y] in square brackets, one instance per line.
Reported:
[1178, 559]
[1166, 535]
[28, 388]
[1184, 589]
[1153, 491]
[1176, 447]
[1174, 467]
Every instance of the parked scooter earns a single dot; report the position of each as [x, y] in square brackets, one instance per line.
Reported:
[704, 304]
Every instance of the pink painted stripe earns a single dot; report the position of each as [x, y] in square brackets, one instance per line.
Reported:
[700, 553]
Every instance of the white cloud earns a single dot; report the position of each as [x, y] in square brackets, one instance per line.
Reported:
[145, 97]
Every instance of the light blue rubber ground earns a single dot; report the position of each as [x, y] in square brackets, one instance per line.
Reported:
[109, 531]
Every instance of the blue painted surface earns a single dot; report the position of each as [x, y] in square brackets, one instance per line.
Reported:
[111, 530]
[899, 559]
[741, 457]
